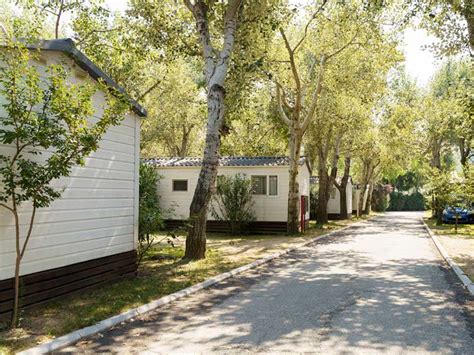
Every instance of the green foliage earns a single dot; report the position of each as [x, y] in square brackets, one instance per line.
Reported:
[233, 203]
[445, 189]
[150, 218]
[380, 198]
[452, 21]
[150, 214]
[406, 202]
[408, 181]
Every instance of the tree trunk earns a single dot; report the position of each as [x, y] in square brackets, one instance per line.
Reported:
[293, 185]
[368, 205]
[196, 240]
[342, 187]
[439, 215]
[216, 65]
[364, 182]
[323, 198]
[16, 302]
[360, 207]
[436, 163]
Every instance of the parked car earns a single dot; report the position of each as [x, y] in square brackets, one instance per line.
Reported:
[464, 214]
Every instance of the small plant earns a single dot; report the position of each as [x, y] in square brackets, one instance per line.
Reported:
[232, 202]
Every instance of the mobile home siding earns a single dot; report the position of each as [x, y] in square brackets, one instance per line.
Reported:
[267, 208]
[97, 215]
[304, 185]
[334, 203]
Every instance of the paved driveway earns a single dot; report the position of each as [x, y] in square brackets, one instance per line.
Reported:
[377, 288]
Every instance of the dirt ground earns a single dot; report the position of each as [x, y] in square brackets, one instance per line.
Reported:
[461, 250]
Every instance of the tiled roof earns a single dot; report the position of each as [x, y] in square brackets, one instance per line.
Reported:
[223, 161]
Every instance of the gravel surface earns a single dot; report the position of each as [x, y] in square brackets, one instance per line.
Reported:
[377, 288]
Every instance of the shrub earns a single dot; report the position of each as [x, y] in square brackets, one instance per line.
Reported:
[415, 202]
[380, 197]
[403, 202]
[150, 214]
[233, 202]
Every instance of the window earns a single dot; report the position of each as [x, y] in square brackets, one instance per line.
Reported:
[259, 185]
[273, 185]
[333, 193]
[180, 185]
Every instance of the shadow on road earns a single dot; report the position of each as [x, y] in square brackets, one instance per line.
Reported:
[346, 292]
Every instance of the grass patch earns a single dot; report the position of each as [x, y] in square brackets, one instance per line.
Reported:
[459, 246]
[464, 230]
[161, 273]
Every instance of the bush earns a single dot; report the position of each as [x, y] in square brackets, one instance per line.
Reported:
[150, 218]
[380, 197]
[403, 202]
[233, 202]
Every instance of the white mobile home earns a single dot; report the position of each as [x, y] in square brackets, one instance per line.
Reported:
[269, 177]
[334, 203]
[89, 235]
[356, 196]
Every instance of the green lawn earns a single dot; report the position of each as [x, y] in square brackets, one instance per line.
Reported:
[464, 230]
[162, 273]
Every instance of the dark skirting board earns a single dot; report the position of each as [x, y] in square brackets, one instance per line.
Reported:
[47, 285]
[223, 227]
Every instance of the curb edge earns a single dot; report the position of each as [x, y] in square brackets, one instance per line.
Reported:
[457, 270]
[75, 336]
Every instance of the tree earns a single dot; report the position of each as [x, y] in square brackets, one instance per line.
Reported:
[180, 134]
[47, 126]
[216, 63]
[221, 28]
[298, 93]
[453, 86]
[452, 21]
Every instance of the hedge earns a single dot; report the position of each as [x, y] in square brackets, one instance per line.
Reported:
[403, 202]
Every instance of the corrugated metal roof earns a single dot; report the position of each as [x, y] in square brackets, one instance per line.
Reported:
[223, 161]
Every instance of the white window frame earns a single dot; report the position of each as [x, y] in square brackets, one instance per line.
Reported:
[277, 185]
[266, 184]
[172, 185]
[267, 181]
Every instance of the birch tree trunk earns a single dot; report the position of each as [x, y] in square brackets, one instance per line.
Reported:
[368, 205]
[365, 180]
[342, 187]
[293, 185]
[196, 240]
[216, 66]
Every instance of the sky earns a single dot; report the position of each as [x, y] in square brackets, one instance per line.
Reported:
[420, 63]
